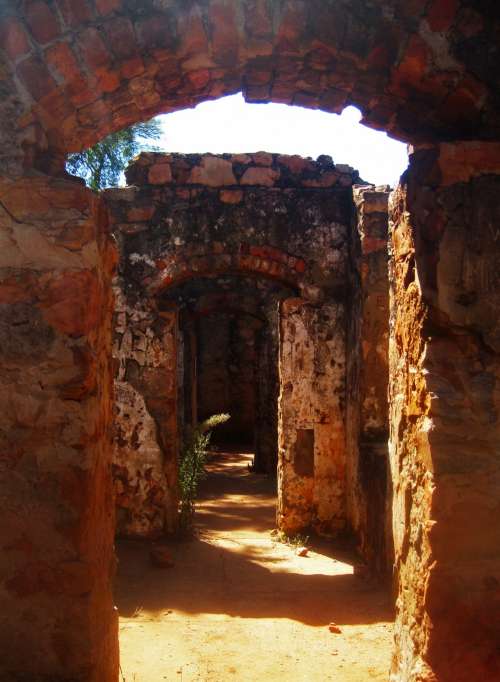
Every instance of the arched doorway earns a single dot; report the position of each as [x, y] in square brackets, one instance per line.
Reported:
[417, 70]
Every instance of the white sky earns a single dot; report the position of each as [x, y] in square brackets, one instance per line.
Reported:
[231, 125]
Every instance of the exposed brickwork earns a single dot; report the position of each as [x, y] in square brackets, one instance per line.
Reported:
[413, 70]
[424, 71]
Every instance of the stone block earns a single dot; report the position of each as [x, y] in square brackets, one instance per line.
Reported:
[160, 173]
[260, 175]
[13, 38]
[213, 172]
[42, 21]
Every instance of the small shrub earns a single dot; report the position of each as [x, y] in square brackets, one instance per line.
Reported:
[193, 457]
[293, 541]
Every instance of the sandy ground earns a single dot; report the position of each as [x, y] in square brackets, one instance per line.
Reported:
[239, 606]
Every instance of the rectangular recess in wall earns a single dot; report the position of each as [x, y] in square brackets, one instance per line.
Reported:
[303, 455]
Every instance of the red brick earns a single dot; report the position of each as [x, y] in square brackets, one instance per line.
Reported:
[470, 23]
[82, 92]
[441, 13]
[192, 34]
[292, 26]
[258, 21]
[121, 37]
[254, 77]
[105, 7]
[231, 196]
[43, 23]
[225, 39]
[55, 106]
[414, 63]
[199, 79]
[74, 12]
[132, 67]
[159, 174]
[62, 61]
[36, 77]
[107, 80]
[306, 99]
[140, 213]
[13, 38]
[154, 32]
[93, 49]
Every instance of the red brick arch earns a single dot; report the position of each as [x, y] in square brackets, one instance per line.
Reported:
[76, 71]
[259, 261]
[425, 71]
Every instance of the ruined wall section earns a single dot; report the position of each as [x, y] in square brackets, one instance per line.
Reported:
[56, 559]
[145, 429]
[280, 219]
[368, 479]
[444, 415]
[311, 465]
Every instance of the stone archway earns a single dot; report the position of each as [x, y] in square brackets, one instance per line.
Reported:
[424, 71]
[233, 232]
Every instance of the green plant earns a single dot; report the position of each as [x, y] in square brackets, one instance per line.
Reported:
[101, 165]
[294, 541]
[193, 457]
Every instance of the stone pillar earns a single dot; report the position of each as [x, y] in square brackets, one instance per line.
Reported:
[311, 456]
[266, 425]
[146, 437]
[367, 473]
[57, 619]
[444, 414]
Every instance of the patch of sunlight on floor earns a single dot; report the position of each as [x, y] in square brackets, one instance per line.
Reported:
[235, 594]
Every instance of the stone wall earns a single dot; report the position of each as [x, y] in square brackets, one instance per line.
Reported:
[444, 413]
[56, 561]
[368, 479]
[211, 236]
[145, 419]
[426, 72]
[227, 374]
[312, 458]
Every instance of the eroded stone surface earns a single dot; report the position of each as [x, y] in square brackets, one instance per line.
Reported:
[444, 419]
[185, 248]
[311, 466]
[368, 479]
[56, 561]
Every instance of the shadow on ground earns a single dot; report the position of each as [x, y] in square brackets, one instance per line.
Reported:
[234, 568]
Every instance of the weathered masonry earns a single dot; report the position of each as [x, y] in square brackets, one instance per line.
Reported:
[259, 241]
[425, 71]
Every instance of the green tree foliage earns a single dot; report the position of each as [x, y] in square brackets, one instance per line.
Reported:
[192, 466]
[101, 165]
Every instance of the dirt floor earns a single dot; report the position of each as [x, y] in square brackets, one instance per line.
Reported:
[238, 605]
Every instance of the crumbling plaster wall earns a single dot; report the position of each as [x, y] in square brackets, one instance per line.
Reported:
[444, 413]
[263, 216]
[312, 457]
